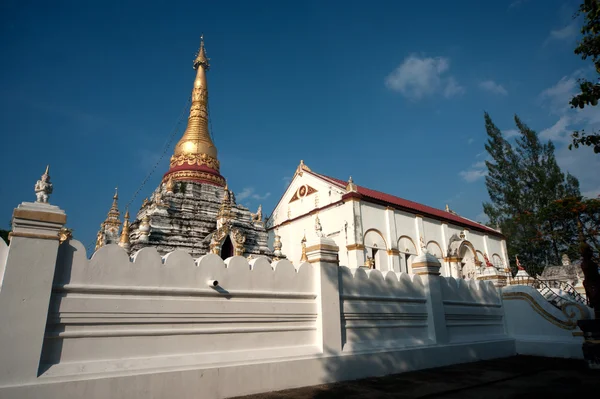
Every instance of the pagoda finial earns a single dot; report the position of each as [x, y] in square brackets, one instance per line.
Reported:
[112, 223]
[201, 58]
[195, 155]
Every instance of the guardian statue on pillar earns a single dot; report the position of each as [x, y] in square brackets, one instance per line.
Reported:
[43, 187]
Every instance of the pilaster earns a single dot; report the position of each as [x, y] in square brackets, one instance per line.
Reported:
[392, 239]
[354, 246]
[420, 232]
[323, 254]
[428, 267]
[26, 289]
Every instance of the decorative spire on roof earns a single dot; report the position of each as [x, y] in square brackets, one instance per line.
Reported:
[112, 223]
[195, 155]
[302, 167]
[351, 187]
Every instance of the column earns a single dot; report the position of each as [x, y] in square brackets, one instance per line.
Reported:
[453, 266]
[420, 232]
[323, 254]
[355, 247]
[428, 267]
[26, 289]
[446, 265]
[392, 240]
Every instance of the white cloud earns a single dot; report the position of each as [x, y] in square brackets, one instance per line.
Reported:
[493, 87]
[453, 88]
[556, 100]
[475, 172]
[583, 163]
[510, 133]
[565, 33]
[472, 175]
[248, 193]
[419, 77]
[559, 131]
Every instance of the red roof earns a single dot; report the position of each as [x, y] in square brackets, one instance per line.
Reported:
[398, 202]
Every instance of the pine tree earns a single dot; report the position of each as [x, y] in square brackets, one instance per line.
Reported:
[521, 182]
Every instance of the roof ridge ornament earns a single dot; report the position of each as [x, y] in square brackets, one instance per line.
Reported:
[301, 168]
[351, 187]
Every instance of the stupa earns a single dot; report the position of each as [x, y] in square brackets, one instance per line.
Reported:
[193, 209]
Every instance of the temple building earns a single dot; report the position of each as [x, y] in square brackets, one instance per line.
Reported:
[378, 230]
[192, 209]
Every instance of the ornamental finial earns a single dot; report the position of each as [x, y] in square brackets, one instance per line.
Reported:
[201, 59]
[43, 187]
[112, 223]
[351, 187]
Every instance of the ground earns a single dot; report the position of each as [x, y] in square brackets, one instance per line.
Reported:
[509, 378]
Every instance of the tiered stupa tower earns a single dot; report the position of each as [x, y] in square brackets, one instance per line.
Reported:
[193, 209]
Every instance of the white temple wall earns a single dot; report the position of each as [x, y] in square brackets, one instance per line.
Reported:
[117, 327]
[541, 329]
[472, 309]
[433, 232]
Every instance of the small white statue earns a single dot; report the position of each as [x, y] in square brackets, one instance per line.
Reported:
[318, 227]
[257, 217]
[43, 187]
[565, 260]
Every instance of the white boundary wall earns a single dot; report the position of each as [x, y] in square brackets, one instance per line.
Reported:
[117, 327]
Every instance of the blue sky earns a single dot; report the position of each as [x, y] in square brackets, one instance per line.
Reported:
[390, 92]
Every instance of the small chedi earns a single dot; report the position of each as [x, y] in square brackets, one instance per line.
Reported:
[192, 209]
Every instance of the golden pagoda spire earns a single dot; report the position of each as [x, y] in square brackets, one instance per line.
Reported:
[112, 223]
[195, 155]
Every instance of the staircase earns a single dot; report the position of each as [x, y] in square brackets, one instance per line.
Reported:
[547, 289]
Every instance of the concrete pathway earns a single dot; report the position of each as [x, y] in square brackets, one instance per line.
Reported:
[509, 378]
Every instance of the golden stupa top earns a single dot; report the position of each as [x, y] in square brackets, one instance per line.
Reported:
[195, 155]
[196, 140]
[112, 219]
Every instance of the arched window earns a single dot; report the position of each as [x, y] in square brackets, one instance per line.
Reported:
[469, 260]
[408, 251]
[497, 261]
[375, 248]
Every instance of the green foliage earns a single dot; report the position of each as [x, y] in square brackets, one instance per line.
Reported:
[569, 221]
[588, 47]
[522, 181]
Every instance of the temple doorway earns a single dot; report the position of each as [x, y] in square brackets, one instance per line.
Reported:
[468, 265]
[227, 248]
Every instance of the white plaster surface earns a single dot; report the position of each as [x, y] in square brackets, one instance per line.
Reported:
[541, 329]
[365, 223]
[175, 326]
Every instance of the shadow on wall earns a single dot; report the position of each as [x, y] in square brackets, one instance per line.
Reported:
[391, 332]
